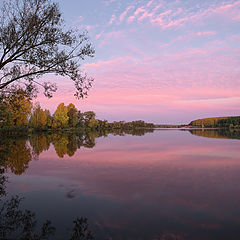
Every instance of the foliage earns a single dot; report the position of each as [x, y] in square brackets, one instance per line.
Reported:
[81, 230]
[49, 119]
[18, 105]
[72, 115]
[5, 114]
[230, 122]
[206, 122]
[60, 117]
[19, 224]
[223, 122]
[38, 117]
[34, 42]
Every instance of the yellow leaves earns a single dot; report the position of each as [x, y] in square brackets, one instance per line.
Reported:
[60, 117]
[38, 118]
[207, 121]
[20, 107]
[72, 114]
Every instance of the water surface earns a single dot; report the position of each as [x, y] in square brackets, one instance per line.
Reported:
[167, 184]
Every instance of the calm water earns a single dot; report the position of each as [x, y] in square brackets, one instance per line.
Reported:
[166, 185]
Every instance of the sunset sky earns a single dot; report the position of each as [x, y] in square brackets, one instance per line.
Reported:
[160, 61]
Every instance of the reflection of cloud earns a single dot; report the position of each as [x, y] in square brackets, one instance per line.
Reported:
[126, 182]
[167, 168]
[154, 161]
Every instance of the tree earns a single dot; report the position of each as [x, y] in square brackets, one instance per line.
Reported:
[5, 113]
[20, 107]
[34, 42]
[60, 117]
[49, 118]
[38, 118]
[72, 114]
[89, 118]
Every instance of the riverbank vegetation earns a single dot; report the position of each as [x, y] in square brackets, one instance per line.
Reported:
[217, 122]
[19, 115]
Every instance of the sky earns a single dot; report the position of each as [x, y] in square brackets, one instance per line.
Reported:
[160, 61]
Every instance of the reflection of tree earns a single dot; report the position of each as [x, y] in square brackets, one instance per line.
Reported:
[16, 155]
[217, 133]
[68, 143]
[3, 179]
[89, 140]
[39, 143]
[22, 224]
[139, 131]
[60, 143]
[72, 145]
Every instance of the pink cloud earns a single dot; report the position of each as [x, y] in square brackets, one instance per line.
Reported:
[99, 35]
[138, 11]
[123, 15]
[178, 16]
[207, 33]
[113, 18]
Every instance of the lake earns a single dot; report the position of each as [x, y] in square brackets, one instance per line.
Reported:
[163, 184]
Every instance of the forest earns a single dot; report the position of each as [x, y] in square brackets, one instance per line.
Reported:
[217, 122]
[18, 113]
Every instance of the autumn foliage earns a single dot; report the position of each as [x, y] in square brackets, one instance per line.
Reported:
[17, 110]
[207, 122]
[222, 122]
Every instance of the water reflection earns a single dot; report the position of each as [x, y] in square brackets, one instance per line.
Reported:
[17, 152]
[165, 185]
[217, 133]
[19, 224]
[15, 155]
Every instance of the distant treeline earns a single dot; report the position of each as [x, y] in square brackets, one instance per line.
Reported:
[220, 122]
[18, 113]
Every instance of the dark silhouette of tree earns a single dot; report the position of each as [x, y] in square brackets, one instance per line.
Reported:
[19, 224]
[34, 42]
[81, 230]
